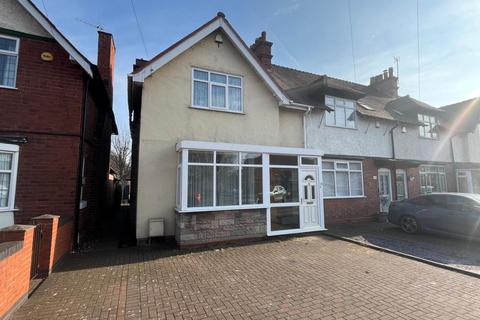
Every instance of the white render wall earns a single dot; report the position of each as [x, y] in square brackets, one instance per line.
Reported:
[14, 17]
[367, 140]
[410, 146]
[467, 147]
[167, 118]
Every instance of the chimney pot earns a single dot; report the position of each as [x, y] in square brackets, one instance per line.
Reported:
[390, 72]
[263, 50]
[385, 74]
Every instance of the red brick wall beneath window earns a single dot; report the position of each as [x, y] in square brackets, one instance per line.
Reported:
[356, 209]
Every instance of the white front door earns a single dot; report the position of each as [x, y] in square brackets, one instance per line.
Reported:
[309, 197]
[384, 189]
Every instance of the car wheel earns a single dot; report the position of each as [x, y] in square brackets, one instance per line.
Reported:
[409, 224]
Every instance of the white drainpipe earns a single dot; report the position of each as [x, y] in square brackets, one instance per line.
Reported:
[305, 115]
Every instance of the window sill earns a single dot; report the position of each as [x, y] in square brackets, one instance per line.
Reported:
[229, 208]
[345, 197]
[8, 88]
[339, 127]
[216, 109]
[8, 210]
[430, 139]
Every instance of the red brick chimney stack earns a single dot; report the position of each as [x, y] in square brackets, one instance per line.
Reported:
[263, 50]
[385, 83]
[106, 59]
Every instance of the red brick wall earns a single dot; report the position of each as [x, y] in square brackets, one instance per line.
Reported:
[15, 274]
[55, 242]
[49, 95]
[47, 175]
[355, 209]
[64, 241]
[47, 109]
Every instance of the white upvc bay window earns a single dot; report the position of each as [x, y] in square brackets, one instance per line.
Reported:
[221, 177]
[217, 91]
[342, 178]
[8, 175]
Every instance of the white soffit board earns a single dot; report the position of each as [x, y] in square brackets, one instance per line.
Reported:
[201, 34]
[220, 146]
[47, 25]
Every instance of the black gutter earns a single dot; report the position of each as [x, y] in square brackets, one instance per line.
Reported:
[76, 244]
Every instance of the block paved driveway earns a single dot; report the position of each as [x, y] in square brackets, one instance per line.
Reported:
[458, 253]
[311, 277]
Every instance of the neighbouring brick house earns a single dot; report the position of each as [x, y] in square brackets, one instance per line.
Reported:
[244, 148]
[56, 123]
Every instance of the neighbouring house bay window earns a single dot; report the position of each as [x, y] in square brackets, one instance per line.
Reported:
[8, 61]
[218, 91]
[343, 114]
[223, 179]
[8, 171]
[429, 127]
[432, 179]
[342, 178]
[468, 181]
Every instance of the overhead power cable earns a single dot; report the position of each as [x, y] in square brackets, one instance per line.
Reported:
[418, 48]
[139, 28]
[351, 39]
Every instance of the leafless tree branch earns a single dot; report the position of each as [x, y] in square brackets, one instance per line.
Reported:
[120, 156]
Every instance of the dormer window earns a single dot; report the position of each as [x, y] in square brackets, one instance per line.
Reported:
[8, 61]
[217, 91]
[429, 128]
[343, 114]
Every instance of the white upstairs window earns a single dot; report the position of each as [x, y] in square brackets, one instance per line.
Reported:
[217, 91]
[8, 61]
[429, 127]
[343, 114]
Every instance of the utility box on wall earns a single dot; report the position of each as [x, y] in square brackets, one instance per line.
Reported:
[156, 227]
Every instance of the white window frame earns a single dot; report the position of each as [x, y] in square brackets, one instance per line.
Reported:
[214, 165]
[13, 150]
[467, 174]
[334, 106]
[433, 122]
[185, 146]
[11, 53]
[427, 172]
[209, 94]
[402, 172]
[349, 170]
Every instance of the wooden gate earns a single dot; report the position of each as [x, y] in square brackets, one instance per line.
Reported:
[37, 239]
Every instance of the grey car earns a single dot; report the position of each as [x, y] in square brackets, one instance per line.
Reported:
[456, 214]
